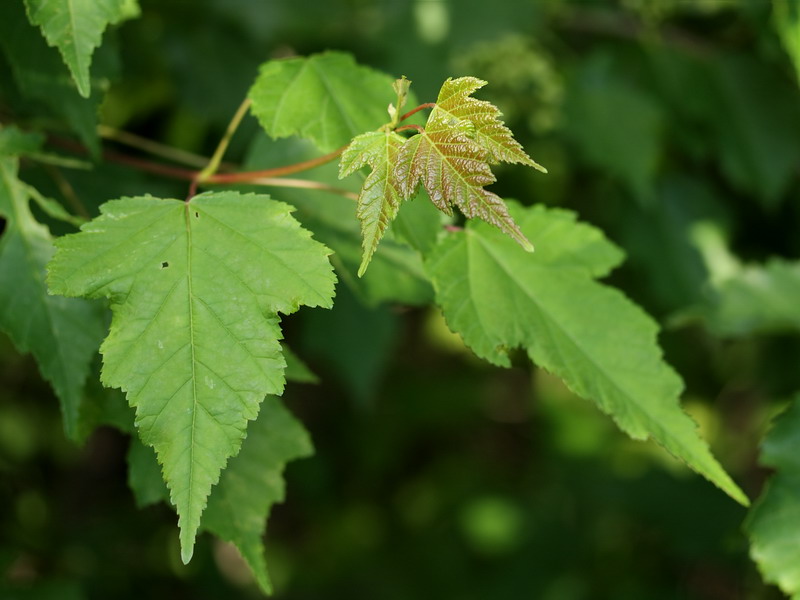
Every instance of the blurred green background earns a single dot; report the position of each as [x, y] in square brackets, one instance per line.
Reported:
[674, 125]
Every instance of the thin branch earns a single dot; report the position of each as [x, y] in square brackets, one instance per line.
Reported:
[269, 177]
[249, 176]
[117, 157]
[155, 148]
[417, 109]
[67, 191]
[150, 166]
[407, 127]
[302, 183]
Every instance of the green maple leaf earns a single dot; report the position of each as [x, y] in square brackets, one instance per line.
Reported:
[602, 345]
[773, 523]
[456, 105]
[240, 503]
[63, 334]
[450, 157]
[76, 27]
[41, 75]
[379, 198]
[326, 98]
[195, 290]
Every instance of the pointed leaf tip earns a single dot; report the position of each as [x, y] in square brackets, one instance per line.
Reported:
[187, 549]
[380, 196]
[601, 344]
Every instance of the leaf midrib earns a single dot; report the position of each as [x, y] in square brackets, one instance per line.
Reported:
[621, 389]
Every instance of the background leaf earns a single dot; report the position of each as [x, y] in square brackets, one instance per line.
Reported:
[76, 27]
[240, 505]
[63, 334]
[326, 98]
[617, 127]
[252, 483]
[773, 521]
[756, 299]
[41, 76]
[786, 16]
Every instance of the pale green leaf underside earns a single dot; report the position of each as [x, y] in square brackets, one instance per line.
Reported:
[76, 27]
[326, 98]
[195, 288]
[498, 297]
[758, 299]
[379, 198]
[774, 521]
[239, 504]
[63, 334]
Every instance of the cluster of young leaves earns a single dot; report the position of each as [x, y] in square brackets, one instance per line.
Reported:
[450, 157]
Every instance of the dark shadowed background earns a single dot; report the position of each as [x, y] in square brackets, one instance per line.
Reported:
[672, 125]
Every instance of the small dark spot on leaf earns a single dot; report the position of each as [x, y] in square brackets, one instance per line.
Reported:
[164, 265]
[196, 215]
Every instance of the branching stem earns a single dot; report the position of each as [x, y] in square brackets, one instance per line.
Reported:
[175, 155]
[407, 127]
[249, 176]
[303, 183]
[216, 158]
[271, 177]
[417, 109]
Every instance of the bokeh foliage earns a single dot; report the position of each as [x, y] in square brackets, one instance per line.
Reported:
[673, 126]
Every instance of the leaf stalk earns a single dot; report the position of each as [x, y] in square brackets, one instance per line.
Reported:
[216, 158]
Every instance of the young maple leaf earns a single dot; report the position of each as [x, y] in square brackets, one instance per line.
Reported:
[455, 102]
[451, 156]
[379, 199]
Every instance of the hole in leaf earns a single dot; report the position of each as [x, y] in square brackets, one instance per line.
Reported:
[164, 265]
